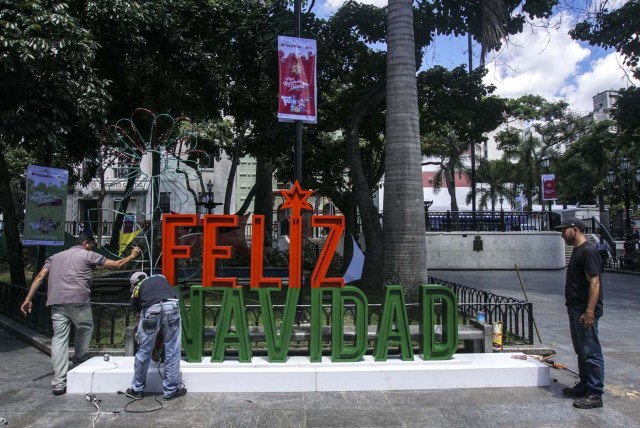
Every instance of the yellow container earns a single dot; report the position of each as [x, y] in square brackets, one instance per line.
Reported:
[497, 336]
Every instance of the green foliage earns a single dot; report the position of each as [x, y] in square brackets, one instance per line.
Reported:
[617, 28]
[50, 92]
[455, 108]
[458, 100]
[627, 114]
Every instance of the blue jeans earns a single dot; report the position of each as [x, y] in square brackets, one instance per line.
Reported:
[167, 316]
[62, 316]
[587, 347]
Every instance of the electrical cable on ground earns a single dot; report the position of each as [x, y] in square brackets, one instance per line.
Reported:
[98, 412]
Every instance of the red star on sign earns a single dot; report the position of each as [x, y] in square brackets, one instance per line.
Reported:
[296, 199]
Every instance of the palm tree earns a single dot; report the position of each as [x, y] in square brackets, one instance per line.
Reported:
[405, 252]
[496, 175]
[447, 151]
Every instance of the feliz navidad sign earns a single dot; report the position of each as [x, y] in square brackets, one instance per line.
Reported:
[231, 324]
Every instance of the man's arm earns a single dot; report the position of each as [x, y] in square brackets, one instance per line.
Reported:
[25, 308]
[119, 264]
[587, 319]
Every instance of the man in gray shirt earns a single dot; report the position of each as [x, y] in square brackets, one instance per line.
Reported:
[69, 293]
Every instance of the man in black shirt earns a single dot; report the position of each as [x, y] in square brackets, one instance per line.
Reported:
[157, 302]
[583, 295]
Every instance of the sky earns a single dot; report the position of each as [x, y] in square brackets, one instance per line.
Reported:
[545, 62]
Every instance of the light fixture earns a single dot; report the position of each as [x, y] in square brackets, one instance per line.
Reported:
[611, 176]
[625, 164]
[544, 162]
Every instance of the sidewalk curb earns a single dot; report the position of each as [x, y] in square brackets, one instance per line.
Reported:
[37, 340]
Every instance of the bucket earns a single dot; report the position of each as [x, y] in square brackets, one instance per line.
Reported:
[497, 336]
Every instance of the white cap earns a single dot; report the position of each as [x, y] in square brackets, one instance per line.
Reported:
[137, 276]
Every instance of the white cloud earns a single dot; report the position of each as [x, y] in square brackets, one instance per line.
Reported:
[331, 6]
[537, 61]
[604, 73]
[551, 64]
[541, 61]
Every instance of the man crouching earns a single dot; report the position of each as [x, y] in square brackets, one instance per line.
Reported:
[157, 302]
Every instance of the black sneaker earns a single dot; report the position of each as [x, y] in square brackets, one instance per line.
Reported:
[589, 401]
[579, 390]
[60, 391]
[177, 393]
[135, 395]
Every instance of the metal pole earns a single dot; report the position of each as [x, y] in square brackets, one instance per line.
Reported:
[473, 146]
[298, 146]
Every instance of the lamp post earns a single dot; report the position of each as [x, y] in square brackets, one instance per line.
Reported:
[427, 222]
[207, 199]
[501, 200]
[623, 187]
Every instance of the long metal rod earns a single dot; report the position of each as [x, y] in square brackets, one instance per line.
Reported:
[472, 143]
[298, 144]
[527, 299]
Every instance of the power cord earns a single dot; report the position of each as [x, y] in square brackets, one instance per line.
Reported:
[107, 359]
[126, 406]
[95, 401]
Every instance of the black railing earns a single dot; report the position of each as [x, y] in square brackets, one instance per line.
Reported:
[490, 221]
[111, 319]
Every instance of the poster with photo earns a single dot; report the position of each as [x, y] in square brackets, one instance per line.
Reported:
[549, 192]
[297, 79]
[46, 203]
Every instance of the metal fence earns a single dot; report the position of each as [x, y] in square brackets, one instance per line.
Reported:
[490, 221]
[111, 319]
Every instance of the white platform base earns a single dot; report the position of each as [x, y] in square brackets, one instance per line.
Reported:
[298, 374]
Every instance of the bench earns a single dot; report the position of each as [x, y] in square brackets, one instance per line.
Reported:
[476, 336]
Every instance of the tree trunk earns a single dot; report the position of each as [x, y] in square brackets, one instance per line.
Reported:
[405, 252]
[114, 244]
[372, 270]
[264, 198]
[235, 160]
[11, 229]
[228, 193]
[450, 179]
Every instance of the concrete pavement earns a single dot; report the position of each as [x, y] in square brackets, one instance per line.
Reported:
[26, 399]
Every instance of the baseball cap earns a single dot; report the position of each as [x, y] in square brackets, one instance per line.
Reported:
[572, 222]
[137, 276]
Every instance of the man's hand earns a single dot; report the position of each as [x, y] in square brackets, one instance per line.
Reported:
[587, 319]
[135, 251]
[26, 307]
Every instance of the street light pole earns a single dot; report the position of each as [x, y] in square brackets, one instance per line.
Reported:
[627, 193]
[427, 204]
[209, 204]
[501, 200]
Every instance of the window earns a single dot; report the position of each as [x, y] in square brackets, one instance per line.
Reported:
[165, 202]
[123, 168]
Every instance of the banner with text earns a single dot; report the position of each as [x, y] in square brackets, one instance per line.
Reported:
[45, 206]
[549, 192]
[297, 81]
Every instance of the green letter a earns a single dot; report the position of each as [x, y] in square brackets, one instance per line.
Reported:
[232, 308]
[394, 312]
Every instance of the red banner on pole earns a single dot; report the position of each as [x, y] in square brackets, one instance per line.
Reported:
[297, 64]
[549, 192]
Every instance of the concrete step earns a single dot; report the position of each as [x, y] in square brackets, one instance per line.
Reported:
[298, 374]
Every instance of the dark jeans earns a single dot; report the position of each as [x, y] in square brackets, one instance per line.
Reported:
[587, 347]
